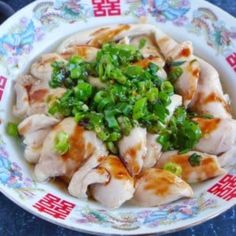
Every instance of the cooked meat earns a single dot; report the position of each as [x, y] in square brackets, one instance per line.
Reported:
[153, 151]
[196, 166]
[209, 98]
[83, 144]
[155, 187]
[219, 135]
[133, 149]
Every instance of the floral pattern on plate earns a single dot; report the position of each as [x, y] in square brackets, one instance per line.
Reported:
[11, 175]
[216, 33]
[162, 215]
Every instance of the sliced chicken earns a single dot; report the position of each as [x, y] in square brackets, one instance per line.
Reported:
[133, 149]
[36, 122]
[153, 151]
[108, 180]
[79, 183]
[155, 187]
[83, 144]
[42, 69]
[34, 129]
[181, 55]
[210, 98]
[219, 135]
[22, 101]
[118, 189]
[86, 52]
[193, 171]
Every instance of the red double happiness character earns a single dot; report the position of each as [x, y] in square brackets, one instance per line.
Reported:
[54, 206]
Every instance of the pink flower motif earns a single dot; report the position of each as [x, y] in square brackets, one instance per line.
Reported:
[74, 5]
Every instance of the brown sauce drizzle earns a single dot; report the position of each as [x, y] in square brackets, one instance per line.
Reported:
[207, 125]
[38, 95]
[77, 146]
[107, 35]
[158, 181]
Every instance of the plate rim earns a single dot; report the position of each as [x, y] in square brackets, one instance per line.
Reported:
[203, 219]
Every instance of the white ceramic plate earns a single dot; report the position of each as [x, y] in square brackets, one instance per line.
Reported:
[39, 27]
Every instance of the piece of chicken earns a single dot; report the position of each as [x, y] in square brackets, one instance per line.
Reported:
[181, 55]
[40, 89]
[209, 98]
[79, 185]
[42, 69]
[83, 144]
[86, 52]
[219, 135]
[153, 151]
[22, 85]
[192, 170]
[150, 54]
[155, 187]
[118, 189]
[107, 178]
[133, 149]
[34, 129]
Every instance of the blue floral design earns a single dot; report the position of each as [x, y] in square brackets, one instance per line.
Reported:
[11, 175]
[20, 41]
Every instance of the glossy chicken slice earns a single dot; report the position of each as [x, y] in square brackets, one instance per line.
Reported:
[34, 129]
[219, 135]
[153, 151]
[210, 98]
[192, 170]
[79, 182]
[155, 187]
[36, 122]
[86, 52]
[22, 101]
[34, 142]
[133, 149]
[181, 56]
[21, 87]
[83, 144]
[118, 189]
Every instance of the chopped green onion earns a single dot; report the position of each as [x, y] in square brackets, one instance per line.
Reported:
[152, 94]
[167, 87]
[173, 168]
[175, 73]
[142, 43]
[61, 143]
[195, 159]
[139, 108]
[12, 129]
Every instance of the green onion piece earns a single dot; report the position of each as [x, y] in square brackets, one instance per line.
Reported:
[139, 108]
[83, 91]
[173, 168]
[195, 159]
[61, 143]
[12, 129]
[167, 87]
[111, 120]
[142, 43]
[152, 94]
[177, 63]
[175, 73]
